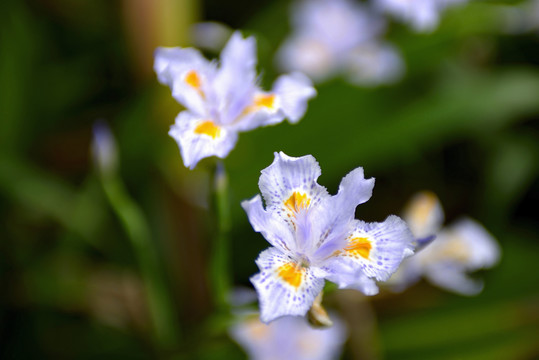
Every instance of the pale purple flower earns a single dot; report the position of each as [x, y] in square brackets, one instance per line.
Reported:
[315, 237]
[289, 338]
[424, 214]
[463, 247]
[457, 250]
[224, 99]
[421, 15]
[332, 37]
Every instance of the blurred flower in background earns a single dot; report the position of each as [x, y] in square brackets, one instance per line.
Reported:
[289, 338]
[339, 37]
[421, 15]
[210, 35]
[456, 250]
[222, 101]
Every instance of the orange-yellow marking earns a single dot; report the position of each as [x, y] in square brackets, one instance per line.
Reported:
[359, 247]
[297, 202]
[192, 79]
[291, 273]
[265, 100]
[208, 128]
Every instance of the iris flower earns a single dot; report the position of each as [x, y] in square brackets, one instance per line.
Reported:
[314, 236]
[289, 337]
[224, 99]
[458, 249]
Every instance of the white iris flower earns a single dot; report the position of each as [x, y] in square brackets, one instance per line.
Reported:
[314, 237]
[224, 99]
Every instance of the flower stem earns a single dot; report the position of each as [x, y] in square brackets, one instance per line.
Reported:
[220, 271]
[137, 230]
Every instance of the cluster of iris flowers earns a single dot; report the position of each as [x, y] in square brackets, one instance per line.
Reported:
[314, 236]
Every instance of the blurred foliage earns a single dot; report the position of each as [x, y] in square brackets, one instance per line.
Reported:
[463, 123]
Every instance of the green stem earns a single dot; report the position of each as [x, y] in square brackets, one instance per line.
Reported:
[136, 227]
[220, 268]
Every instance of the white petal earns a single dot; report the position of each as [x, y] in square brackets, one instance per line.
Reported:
[354, 190]
[288, 175]
[347, 276]
[483, 248]
[334, 220]
[170, 62]
[263, 110]
[197, 142]
[234, 83]
[274, 230]
[293, 91]
[282, 288]
[291, 192]
[173, 67]
[377, 249]
[453, 278]
[288, 99]
[239, 52]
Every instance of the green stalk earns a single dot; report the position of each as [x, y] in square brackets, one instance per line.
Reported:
[219, 266]
[137, 230]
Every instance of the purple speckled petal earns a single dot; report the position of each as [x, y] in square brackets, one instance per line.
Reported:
[283, 288]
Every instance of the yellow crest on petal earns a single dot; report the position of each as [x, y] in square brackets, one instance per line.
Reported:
[208, 128]
[291, 274]
[297, 201]
[265, 100]
[193, 79]
[359, 246]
